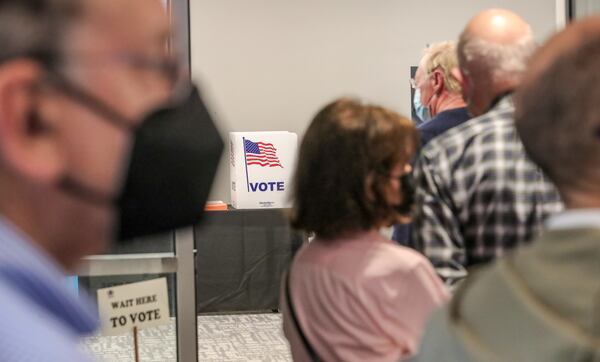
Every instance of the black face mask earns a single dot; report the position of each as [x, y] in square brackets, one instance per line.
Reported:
[168, 175]
[407, 184]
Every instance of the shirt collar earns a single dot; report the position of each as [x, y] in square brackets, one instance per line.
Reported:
[501, 101]
[33, 273]
[574, 219]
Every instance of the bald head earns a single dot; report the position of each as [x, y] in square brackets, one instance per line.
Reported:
[497, 26]
[493, 51]
[557, 112]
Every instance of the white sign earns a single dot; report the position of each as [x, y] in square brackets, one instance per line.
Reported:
[143, 304]
[261, 167]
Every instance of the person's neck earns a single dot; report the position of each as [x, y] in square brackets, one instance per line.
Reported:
[581, 200]
[448, 101]
[23, 218]
[42, 218]
[350, 234]
[487, 92]
[500, 89]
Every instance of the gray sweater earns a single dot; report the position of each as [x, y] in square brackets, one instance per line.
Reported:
[540, 304]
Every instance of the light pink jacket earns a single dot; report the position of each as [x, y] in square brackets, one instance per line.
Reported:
[362, 298]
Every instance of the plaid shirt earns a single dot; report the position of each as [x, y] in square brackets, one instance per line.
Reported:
[478, 194]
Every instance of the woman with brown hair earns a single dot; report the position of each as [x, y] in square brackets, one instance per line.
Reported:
[352, 294]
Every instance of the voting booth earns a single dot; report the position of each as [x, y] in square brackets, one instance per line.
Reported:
[261, 168]
[240, 258]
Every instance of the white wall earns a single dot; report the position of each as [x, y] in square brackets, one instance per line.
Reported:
[271, 64]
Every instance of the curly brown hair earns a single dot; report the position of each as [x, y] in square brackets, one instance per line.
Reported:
[344, 166]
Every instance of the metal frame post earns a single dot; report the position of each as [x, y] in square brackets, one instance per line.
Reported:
[186, 321]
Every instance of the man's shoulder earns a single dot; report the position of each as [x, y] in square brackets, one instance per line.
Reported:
[27, 333]
[495, 316]
[451, 116]
[478, 130]
[441, 123]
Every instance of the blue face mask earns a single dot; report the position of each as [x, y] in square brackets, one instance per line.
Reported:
[421, 111]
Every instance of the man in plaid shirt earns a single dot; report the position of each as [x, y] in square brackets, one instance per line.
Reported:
[478, 194]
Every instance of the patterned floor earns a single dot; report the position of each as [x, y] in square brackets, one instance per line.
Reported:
[237, 337]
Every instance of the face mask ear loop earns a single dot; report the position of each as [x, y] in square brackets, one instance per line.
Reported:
[97, 106]
[108, 114]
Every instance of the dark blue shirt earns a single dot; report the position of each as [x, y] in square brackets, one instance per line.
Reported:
[439, 124]
[442, 122]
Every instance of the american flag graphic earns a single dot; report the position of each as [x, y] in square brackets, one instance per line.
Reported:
[261, 153]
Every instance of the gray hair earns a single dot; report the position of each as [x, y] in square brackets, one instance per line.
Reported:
[35, 28]
[442, 55]
[502, 61]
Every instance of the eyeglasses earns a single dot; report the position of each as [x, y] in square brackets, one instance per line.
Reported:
[168, 67]
[413, 83]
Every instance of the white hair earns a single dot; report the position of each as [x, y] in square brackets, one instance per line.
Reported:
[502, 61]
[442, 55]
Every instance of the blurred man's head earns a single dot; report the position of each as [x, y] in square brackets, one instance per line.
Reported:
[493, 51]
[112, 50]
[558, 110]
[436, 78]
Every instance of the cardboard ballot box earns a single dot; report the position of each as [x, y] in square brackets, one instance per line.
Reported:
[261, 167]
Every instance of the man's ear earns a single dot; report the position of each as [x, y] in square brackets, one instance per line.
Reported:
[437, 82]
[27, 147]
